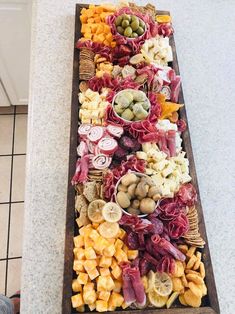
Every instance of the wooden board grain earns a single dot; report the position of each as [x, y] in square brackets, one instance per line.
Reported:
[210, 303]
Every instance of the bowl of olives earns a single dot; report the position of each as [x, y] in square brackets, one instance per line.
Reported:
[130, 26]
[135, 194]
[131, 105]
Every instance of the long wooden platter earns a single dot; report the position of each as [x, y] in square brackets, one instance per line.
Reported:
[210, 304]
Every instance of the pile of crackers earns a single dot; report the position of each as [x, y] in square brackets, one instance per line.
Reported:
[86, 65]
[193, 236]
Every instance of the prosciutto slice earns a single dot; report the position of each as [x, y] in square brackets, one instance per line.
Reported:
[81, 172]
[161, 243]
[171, 143]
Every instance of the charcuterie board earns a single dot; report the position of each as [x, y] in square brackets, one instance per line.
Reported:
[109, 145]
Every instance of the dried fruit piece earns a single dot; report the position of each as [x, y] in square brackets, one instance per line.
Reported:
[109, 229]
[95, 210]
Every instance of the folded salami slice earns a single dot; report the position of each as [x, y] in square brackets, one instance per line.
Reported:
[84, 129]
[95, 134]
[101, 161]
[107, 145]
[115, 130]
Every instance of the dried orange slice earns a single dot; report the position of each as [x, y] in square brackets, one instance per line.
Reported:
[163, 18]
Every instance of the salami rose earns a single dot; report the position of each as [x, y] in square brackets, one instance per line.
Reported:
[101, 161]
[84, 129]
[115, 130]
[95, 134]
[107, 145]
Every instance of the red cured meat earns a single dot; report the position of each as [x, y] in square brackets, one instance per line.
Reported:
[165, 29]
[115, 130]
[187, 194]
[82, 149]
[161, 243]
[84, 129]
[144, 266]
[81, 173]
[107, 145]
[166, 264]
[169, 209]
[137, 284]
[127, 286]
[181, 125]
[157, 225]
[95, 134]
[101, 161]
[132, 241]
[175, 88]
[178, 226]
[120, 153]
[162, 142]
[129, 144]
[171, 143]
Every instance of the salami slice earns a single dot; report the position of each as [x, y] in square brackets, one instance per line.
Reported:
[115, 130]
[82, 149]
[107, 145]
[101, 161]
[95, 134]
[84, 129]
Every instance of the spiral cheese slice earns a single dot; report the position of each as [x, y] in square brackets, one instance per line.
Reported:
[115, 130]
[107, 145]
[95, 134]
[84, 129]
[101, 161]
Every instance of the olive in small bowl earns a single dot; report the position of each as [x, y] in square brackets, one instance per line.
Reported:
[130, 26]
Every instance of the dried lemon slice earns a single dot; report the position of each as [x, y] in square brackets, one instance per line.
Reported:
[161, 283]
[157, 300]
[112, 212]
[109, 230]
[94, 211]
[172, 299]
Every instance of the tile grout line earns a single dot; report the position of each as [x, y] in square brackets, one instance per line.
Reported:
[10, 258]
[9, 216]
[15, 202]
[8, 155]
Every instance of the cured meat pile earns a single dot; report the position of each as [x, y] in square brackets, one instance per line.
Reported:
[135, 204]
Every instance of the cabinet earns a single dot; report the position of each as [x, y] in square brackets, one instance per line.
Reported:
[15, 27]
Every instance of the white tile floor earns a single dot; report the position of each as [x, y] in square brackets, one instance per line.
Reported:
[13, 130]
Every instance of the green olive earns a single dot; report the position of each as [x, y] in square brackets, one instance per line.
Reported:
[135, 25]
[118, 21]
[140, 31]
[142, 24]
[126, 17]
[120, 30]
[128, 31]
[127, 114]
[134, 35]
[125, 23]
[134, 18]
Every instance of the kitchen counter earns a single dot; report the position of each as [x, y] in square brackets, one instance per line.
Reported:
[205, 46]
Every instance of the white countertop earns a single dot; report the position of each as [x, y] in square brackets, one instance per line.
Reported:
[204, 35]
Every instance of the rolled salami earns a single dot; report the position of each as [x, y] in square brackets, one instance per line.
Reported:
[95, 134]
[101, 161]
[84, 129]
[107, 145]
[82, 149]
[91, 146]
[166, 91]
[115, 130]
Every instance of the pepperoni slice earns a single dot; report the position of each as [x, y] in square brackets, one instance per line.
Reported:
[101, 161]
[95, 134]
[115, 130]
[107, 145]
[84, 129]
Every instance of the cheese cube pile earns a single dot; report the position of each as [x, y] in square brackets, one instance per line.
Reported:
[94, 26]
[168, 173]
[99, 277]
[93, 106]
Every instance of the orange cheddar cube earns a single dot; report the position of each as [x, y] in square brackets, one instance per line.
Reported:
[104, 271]
[78, 265]
[118, 286]
[76, 287]
[94, 224]
[83, 18]
[104, 295]
[83, 11]
[122, 234]
[78, 241]
[113, 44]
[94, 235]
[88, 242]
[97, 19]
[100, 244]
[114, 263]
[89, 12]
[132, 254]
[116, 272]
[92, 306]
[101, 306]
[88, 35]
[100, 29]
[90, 253]
[89, 296]
[93, 273]
[99, 9]
[80, 309]
[121, 256]
[111, 241]
[88, 286]
[80, 253]
[90, 264]
[118, 244]
[125, 248]
[105, 261]
[101, 283]
[109, 283]
[82, 278]
[116, 299]
[77, 300]
[109, 251]
[109, 37]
